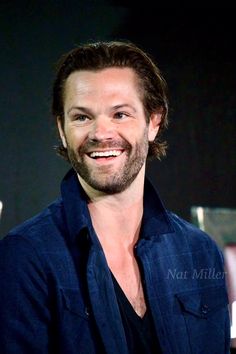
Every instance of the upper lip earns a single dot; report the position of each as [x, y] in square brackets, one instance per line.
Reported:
[102, 150]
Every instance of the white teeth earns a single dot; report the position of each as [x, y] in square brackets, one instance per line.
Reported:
[105, 153]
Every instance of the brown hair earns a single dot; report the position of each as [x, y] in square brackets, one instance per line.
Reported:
[101, 55]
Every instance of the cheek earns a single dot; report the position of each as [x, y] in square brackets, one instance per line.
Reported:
[134, 132]
[74, 137]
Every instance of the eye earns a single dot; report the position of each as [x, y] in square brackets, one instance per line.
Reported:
[81, 118]
[120, 115]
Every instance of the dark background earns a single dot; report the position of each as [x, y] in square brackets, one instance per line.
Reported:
[194, 48]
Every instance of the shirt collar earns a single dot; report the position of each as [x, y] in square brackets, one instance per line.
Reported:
[156, 220]
[75, 205]
[155, 217]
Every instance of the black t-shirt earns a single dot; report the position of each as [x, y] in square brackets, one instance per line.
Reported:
[140, 332]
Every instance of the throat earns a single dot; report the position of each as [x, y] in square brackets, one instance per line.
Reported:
[116, 228]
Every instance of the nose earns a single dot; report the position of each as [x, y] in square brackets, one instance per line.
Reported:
[102, 129]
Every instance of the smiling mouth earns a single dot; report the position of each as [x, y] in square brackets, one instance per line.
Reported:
[105, 154]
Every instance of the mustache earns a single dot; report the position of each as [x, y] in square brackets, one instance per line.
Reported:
[96, 144]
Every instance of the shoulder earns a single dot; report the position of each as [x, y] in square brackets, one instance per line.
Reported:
[38, 232]
[187, 228]
[39, 250]
[194, 237]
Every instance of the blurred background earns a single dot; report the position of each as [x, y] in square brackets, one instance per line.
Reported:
[194, 48]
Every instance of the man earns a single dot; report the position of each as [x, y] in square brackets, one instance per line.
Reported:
[106, 268]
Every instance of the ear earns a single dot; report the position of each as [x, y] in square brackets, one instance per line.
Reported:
[61, 132]
[154, 125]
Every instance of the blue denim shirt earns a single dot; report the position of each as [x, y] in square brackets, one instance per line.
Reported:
[57, 295]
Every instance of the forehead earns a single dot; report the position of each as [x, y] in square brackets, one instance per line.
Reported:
[106, 81]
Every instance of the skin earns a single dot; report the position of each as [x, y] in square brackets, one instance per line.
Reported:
[103, 112]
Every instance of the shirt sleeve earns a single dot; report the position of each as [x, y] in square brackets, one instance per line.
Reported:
[24, 300]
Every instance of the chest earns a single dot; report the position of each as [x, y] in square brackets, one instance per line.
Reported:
[125, 269]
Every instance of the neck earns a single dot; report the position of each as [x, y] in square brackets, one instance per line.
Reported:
[117, 218]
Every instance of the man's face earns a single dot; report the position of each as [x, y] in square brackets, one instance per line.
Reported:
[105, 130]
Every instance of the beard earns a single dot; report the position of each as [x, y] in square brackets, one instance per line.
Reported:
[105, 178]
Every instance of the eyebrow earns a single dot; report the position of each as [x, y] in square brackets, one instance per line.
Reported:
[89, 111]
[123, 106]
[82, 109]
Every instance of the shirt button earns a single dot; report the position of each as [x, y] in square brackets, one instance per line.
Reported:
[86, 311]
[204, 309]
